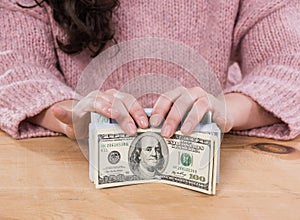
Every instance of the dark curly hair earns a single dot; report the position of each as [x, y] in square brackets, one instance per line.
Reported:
[86, 22]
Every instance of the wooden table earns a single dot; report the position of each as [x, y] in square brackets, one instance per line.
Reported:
[47, 178]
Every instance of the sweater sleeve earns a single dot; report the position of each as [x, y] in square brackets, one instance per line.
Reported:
[29, 79]
[269, 51]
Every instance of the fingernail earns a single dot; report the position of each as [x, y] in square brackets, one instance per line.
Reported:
[186, 128]
[166, 131]
[144, 122]
[155, 120]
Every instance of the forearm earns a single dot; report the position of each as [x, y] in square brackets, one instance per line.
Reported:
[247, 113]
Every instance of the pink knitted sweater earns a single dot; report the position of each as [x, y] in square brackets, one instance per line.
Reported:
[263, 36]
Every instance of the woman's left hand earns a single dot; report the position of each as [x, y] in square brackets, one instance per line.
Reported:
[192, 102]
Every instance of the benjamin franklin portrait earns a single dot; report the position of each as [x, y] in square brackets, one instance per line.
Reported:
[147, 155]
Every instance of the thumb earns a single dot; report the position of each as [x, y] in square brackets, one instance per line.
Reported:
[65, 117]
[62, 114]
[225, 123]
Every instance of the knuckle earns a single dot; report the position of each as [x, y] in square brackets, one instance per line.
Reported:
[182, 89]
[165, 101]
[179, 110]
[136, 109]
[197, 112]
[111, 91]
[194, 119]
[198, 90]
[157, 111]
[96, 93]
[129, 96]
[173, 120]
[165, 97]
[132, 101]
[186, 99]
[90, 95]
[202, 101]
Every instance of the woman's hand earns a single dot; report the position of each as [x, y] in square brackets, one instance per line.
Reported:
[193, 103]
[236, 112]
[48, 118]
[122, 107]
[68, 115]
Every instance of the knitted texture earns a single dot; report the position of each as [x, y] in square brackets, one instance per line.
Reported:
[263, 36]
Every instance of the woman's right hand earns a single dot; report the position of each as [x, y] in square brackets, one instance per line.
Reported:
[122, 107]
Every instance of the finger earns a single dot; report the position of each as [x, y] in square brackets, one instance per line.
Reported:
[163, 105]
[81, 113]
[132, 106]
[94, 102]
[220, 116]
[122, 116]
[136, 111]
[176, 114]
[103, 105]
[69, 132]
[225, 123]
[200, 107]
[108, 105]
[139, 115]
[63, 115]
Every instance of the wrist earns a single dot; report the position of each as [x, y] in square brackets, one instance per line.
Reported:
[238, 108]
[246, 113]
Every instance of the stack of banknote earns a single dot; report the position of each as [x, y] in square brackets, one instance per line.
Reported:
[117, 159]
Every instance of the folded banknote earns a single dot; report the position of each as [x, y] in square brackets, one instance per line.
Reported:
[189, 161]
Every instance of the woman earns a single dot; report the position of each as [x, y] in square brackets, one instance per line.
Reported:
[39, 73]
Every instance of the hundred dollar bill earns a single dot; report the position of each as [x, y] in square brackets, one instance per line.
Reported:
[100, 122]
[186, 161]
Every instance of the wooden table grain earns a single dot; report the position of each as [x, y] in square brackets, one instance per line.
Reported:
[47, 178]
